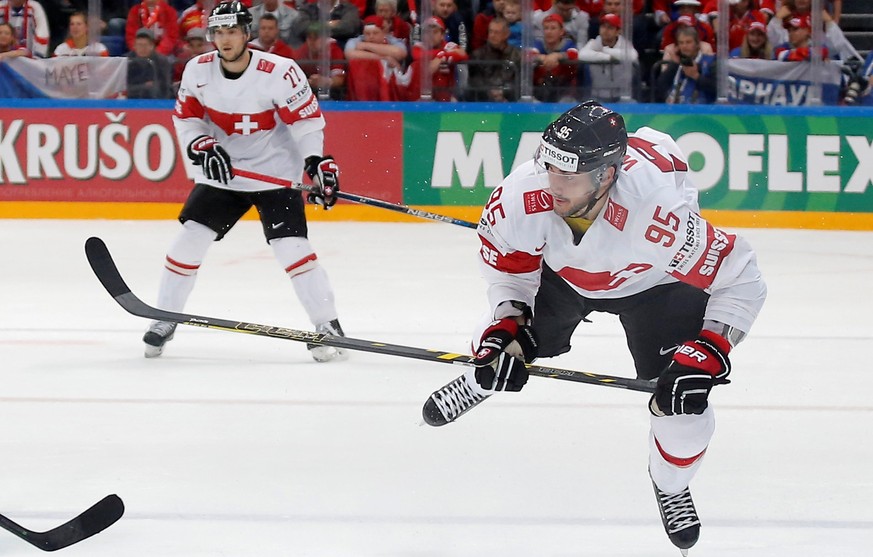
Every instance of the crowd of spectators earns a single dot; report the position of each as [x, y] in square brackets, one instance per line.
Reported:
[465, 50]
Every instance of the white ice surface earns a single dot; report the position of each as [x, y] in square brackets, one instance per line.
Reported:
[231, 445]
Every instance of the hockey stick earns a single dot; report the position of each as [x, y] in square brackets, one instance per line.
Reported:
[107, 272]
[356, 198]
[96, 519]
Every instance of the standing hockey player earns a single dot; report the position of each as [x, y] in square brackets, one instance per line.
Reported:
[245, 110]
[603, 222]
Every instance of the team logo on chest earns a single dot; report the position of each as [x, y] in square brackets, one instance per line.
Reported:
[245, 125]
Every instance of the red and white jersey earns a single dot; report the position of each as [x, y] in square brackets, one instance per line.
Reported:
[67, 48]
[30, 24]
[649, 233]
[268, 119]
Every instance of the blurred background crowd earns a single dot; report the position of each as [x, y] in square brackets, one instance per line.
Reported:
[663, 51]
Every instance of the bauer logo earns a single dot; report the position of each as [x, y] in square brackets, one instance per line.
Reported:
[562, 160]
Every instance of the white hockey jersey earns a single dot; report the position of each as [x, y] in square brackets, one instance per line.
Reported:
[268, 120]
[649, 232]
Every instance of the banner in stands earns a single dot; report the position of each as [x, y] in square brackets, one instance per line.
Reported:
[780, 83]
[747, 162]
[67, 77]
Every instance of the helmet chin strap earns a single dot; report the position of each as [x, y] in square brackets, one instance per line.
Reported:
[595, 200]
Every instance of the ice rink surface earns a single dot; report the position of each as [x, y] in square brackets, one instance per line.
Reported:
[231, 445]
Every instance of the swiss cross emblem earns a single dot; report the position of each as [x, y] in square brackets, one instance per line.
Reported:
[245, 126]
[613, 121]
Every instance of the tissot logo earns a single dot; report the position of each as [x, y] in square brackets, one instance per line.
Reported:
[568, 162]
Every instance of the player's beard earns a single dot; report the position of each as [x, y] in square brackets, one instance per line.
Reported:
[235, 58]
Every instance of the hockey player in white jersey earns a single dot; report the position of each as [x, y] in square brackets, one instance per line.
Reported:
[241, 111]
[603, 222]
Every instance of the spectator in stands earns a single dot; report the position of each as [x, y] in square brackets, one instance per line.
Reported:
[393, 24]
[742, 15]
[555, 73]
[512, 15]
[755, 44]
[29, 23]
[192, 17]
[609, 79]
[77, 41]
[441, 58]
[344, 22]
[308, 57]
[268, 37]
[665, 12]
[609, 45]
[495, 71]
[148, 71]
[693, 79]
[456, 28]
[481, 21]
[669, 48]
[158, 17]
[373, 57]
[195, 45]
[797, 49]
[9, 47]
[288, 19]
[688, 11]
[575, 20]
[710, 9]
[840, 45]
[643, 35]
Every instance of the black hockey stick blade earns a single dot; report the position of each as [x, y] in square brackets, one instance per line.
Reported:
[105, 269]
[96, 519]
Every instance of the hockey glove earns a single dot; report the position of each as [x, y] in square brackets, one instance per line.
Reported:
[206, 152]
[324, 173]
[503, 350]
[697, 366]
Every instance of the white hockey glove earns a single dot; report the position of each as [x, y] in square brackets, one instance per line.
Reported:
[324, 173]
[206, 152]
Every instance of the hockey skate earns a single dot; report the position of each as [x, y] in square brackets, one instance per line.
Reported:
[679, 518]
[328, 353]
[158, 334]
[450, 402]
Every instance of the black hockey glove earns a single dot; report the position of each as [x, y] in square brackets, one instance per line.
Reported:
[206, 152]
[697, 366]
[503, 350]
[324, 173]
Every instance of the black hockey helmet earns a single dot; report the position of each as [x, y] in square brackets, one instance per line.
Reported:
[586, 138]
[229, 14]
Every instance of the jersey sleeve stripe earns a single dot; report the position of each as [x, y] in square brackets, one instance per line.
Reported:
[516, 262]
[189, 107]
[309, 109]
